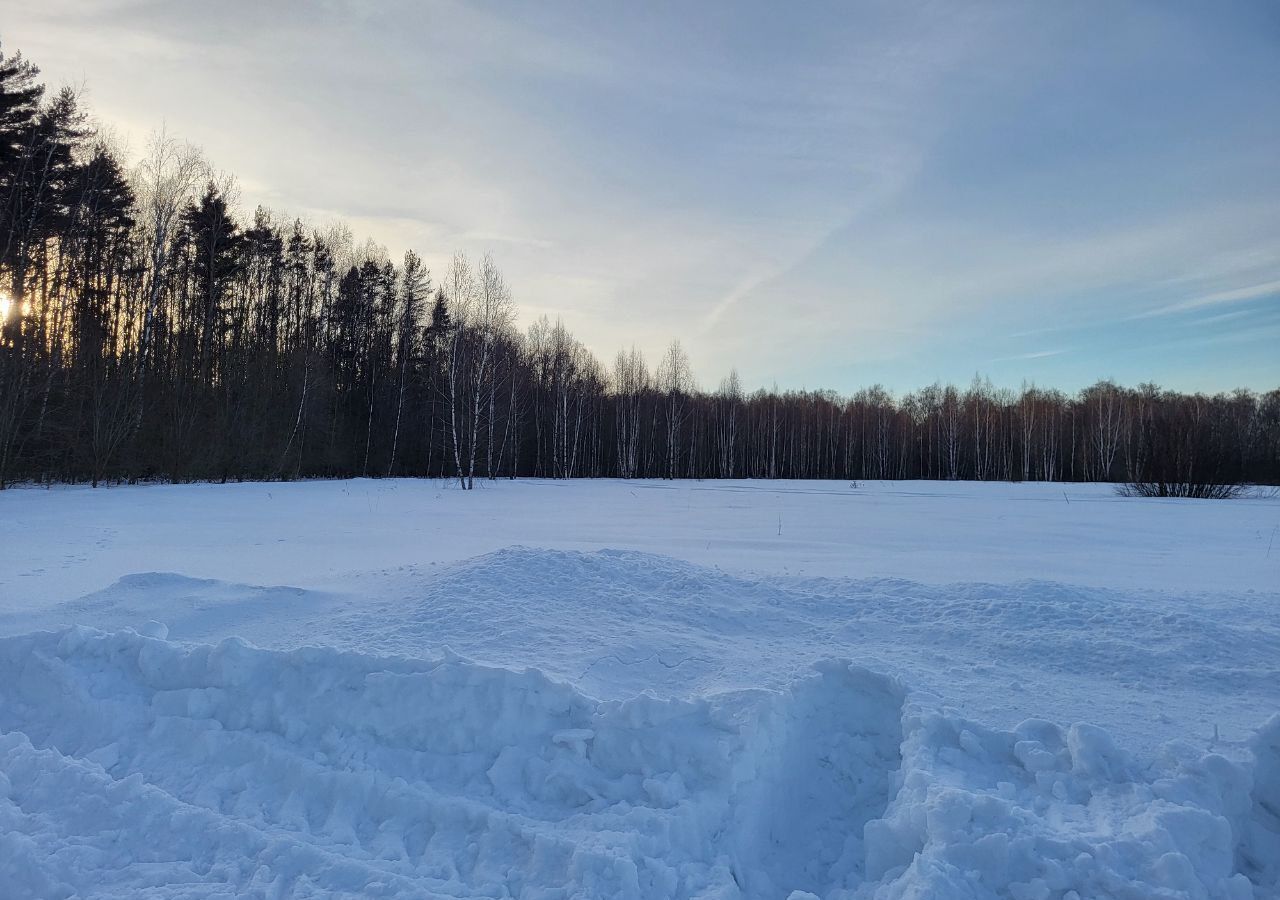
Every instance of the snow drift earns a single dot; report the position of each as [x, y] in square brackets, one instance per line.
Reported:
[1146, 665]
[134, 764]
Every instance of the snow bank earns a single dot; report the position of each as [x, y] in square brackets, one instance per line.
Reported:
[134, 764]
[1146, 665]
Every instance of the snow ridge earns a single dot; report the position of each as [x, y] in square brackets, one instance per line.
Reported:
[130, 763]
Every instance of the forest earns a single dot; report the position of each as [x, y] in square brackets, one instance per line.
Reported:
[150, 330]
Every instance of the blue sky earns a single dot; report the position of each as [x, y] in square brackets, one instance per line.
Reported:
[822, 195]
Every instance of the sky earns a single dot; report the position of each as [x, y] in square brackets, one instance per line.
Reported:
[822, 195]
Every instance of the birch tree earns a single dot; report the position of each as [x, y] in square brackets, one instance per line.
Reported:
[630, 384]
[483, 314]
[674, 382]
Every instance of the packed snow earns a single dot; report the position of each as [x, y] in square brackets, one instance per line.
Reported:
[638, 689]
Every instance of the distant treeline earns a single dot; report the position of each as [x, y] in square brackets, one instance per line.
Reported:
[148, 332]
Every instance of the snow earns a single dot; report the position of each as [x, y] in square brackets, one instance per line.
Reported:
[611, 689]
[65, 542]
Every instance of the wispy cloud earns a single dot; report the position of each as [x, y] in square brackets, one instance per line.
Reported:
[1036, 354]
[1220, 317]
[1218, 298]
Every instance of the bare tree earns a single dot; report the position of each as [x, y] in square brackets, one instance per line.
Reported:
[483, 313]
[630, 384]
[674, 382]
[165, 182]
[1107, 408]
[728, 401]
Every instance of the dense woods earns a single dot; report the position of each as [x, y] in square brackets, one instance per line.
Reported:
[150, 330]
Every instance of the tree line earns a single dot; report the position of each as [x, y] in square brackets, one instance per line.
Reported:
[149, 331]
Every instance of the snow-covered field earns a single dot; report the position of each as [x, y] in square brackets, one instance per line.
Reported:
[599, 689]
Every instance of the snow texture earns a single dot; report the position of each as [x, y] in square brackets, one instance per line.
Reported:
[646, 710]
[133, 762]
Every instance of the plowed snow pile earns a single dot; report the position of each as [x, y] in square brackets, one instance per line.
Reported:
[132, 762]
[645, 713]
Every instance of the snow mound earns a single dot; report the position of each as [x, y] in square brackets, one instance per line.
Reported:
[134, 764]
[193, 607]
[1146, 665]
